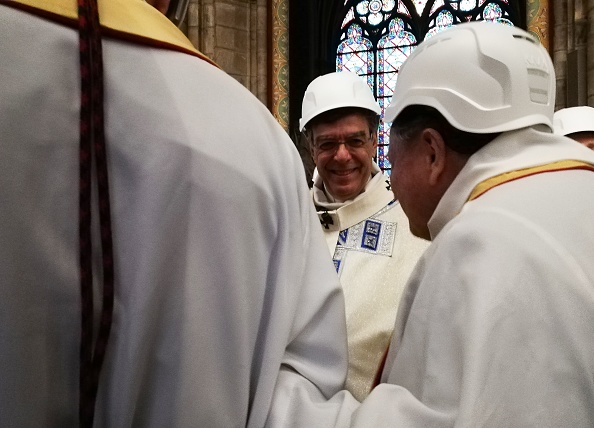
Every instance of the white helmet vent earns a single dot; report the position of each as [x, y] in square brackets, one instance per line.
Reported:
[526, 37]
[538, 81]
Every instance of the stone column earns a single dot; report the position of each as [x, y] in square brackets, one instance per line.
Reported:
[589, 30]
[200, 22]
[572, 54]
[577, 53]
[559, 51]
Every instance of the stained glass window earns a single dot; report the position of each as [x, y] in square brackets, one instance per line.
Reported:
[378, 35]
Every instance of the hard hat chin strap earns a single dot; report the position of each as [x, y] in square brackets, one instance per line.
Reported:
[176, 12]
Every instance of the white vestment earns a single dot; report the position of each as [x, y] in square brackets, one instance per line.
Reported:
[221, 271]
[496, 326]
[374, 253]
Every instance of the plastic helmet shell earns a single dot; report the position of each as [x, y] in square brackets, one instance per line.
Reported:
[574, 119]
[336, 90]
[482, 77]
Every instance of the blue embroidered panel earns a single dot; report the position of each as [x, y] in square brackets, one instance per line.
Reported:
[336, 265]
[371, 235]
[343, 236]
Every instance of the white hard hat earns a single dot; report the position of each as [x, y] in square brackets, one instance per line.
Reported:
[482, 77]
[336, 90]
[574, 119]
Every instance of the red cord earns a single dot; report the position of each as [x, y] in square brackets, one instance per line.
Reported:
[92, 147]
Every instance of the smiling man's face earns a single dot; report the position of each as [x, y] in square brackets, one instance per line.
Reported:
[342, 151]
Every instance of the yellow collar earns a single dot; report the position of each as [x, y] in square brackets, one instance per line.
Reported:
[133, 20]
[492, 182]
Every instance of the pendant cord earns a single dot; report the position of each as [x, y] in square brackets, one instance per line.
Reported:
[92, 148]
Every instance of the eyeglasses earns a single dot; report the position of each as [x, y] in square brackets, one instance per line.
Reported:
[352, 142]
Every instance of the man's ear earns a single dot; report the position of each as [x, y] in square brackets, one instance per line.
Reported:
[374, 139]
[436, 154]
[310, 145]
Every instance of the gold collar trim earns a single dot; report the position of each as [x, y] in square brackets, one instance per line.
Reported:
[506, 177]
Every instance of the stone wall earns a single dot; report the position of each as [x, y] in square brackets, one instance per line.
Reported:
[573, 51]
[234, 34]
[589, 13]
[559, 50]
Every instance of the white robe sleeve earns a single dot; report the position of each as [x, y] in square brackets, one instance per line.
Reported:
[499, 333]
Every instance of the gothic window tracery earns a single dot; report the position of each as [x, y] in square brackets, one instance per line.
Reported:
[378, 35]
